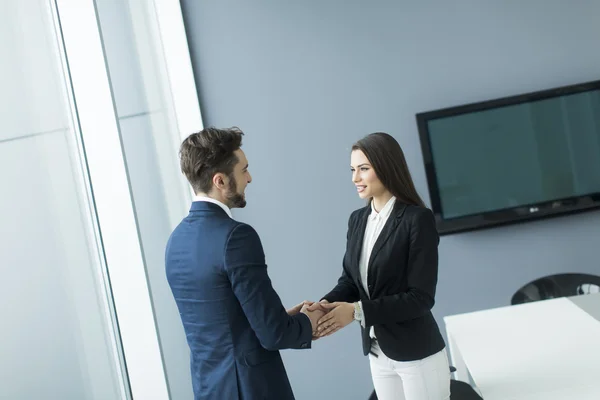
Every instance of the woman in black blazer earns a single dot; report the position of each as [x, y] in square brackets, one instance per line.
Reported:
[389, 278]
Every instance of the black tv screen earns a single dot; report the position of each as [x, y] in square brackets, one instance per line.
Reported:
[513, 159]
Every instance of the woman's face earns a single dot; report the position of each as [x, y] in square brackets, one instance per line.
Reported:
[363, 175]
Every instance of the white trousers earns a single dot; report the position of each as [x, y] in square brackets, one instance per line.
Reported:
[426, 379]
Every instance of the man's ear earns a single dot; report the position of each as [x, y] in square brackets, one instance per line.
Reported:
[219, 181]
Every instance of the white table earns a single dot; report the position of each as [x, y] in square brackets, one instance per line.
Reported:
[543, 350]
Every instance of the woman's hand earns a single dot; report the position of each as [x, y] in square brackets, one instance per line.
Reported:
[337, 316]
[318, 306]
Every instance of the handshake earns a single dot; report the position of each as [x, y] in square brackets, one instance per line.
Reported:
[326, 318]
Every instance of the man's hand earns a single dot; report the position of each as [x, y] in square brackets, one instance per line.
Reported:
[296, 309]
[338, 315]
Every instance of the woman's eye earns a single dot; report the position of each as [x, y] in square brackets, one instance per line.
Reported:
[364, 169]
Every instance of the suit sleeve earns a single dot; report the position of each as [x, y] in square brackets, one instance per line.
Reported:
[247, 272]
[345, 290]
[422, 273]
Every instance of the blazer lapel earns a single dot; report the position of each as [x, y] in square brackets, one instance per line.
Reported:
[389, 227]
[358, 242]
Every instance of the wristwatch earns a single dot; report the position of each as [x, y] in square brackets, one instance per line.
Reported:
[358, 313]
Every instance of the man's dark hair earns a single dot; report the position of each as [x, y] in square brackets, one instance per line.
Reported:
[387, 158]
[205, 153]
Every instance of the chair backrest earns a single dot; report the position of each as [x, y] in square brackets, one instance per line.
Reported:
[559, 285]
[460, 390]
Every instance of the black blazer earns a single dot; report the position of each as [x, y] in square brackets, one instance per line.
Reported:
[403, 270]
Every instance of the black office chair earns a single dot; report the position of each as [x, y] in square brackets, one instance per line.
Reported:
[554, 286]
[460, 390]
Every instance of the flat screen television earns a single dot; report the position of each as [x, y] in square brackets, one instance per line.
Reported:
[513, 159]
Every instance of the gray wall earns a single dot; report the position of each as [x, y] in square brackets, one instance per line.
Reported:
[306, 79]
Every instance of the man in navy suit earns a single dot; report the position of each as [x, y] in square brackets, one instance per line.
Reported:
[233, 319]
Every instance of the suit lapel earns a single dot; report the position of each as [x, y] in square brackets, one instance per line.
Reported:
[358, 243]
[389, 227]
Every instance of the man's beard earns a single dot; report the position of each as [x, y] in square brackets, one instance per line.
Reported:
[233, 198]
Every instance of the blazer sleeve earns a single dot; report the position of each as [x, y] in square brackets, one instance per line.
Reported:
[345, 290]
[247, 272]
[422, 273]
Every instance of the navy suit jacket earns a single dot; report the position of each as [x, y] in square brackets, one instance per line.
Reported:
[233, 319]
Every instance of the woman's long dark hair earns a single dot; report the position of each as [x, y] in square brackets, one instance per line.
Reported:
[387, 159]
